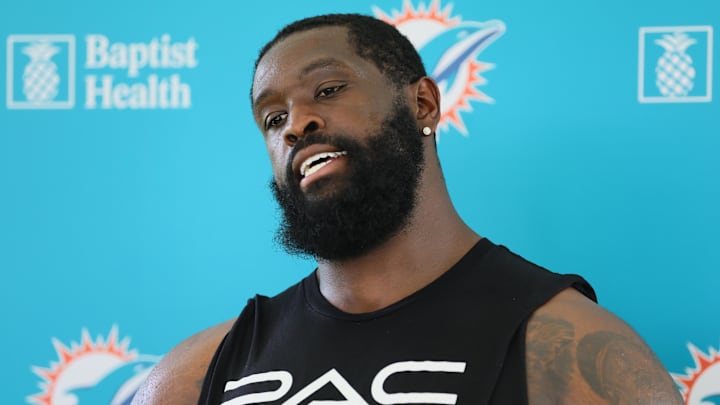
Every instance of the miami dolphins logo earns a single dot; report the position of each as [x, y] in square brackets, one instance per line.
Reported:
[450, 49]
[701, 385]
[100, 372]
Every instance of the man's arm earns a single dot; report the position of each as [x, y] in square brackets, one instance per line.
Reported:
[178, 378]
[579, 353]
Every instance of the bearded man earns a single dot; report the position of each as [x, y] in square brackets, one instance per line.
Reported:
[408, 305]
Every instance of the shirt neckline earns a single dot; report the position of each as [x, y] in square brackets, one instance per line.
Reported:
[319, 304]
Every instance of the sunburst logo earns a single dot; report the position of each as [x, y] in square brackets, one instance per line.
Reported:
[701, 385]
[450, 48]
[92, 372]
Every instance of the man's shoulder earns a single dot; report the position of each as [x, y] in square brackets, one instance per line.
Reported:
[578, 352]
[179, 376]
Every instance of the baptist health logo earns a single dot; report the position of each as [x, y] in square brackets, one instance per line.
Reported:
[41, 72]
[675, 64]
[37, 81]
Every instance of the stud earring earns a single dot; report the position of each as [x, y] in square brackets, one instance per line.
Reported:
[427, 131]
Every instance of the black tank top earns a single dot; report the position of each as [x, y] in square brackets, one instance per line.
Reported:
[459, 340]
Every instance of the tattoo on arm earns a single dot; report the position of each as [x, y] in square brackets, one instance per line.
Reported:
[549, 360]
[624, 371]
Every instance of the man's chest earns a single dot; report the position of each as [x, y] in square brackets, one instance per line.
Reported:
[389, 361]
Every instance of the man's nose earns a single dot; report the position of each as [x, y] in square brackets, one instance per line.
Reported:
[303, 121]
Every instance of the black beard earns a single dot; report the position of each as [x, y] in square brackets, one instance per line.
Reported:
[372, 203]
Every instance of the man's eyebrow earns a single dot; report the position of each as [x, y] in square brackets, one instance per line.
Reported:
[319, 64]
[324, 63]
[260, 97]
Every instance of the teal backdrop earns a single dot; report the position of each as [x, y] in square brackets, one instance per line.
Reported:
[134, 207]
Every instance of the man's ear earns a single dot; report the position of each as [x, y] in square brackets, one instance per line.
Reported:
[427, 99]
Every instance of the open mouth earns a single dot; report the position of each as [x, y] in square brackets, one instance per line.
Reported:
[318, 161]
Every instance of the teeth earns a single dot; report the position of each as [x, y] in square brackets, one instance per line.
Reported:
[307, 168]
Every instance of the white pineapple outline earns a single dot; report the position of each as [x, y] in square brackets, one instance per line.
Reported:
[674, 72]
[40, 77]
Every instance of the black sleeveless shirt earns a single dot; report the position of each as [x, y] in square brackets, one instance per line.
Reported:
[459, 340]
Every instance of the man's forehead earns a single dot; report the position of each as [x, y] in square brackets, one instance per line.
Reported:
[310, 41]
[302, 53]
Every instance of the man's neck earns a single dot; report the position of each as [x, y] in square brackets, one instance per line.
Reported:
[428, 247]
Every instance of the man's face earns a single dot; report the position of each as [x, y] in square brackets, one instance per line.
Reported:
[344, 146]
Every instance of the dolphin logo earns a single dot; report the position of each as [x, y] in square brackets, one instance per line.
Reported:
[454, 46]
[450, 48]
[711, 400]
[118, 387]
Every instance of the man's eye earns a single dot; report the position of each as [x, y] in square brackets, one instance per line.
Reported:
[275, 120]
[329, 91]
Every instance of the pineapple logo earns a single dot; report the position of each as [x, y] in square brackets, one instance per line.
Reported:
[675, 71]
[675, 64]
[41, 71]
[40, 78]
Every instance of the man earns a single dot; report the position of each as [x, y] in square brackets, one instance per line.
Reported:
[407, 304]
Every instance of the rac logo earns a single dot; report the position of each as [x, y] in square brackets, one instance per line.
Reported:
[352, 397]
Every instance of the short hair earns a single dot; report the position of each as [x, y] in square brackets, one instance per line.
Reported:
[372, 39]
